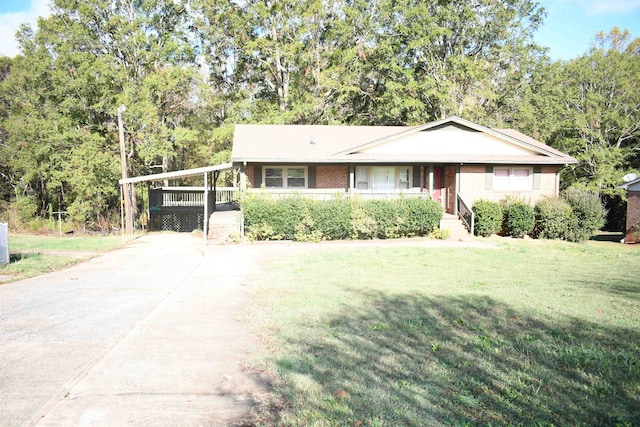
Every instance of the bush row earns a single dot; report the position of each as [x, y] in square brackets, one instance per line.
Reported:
[304, 219]
[575, 216]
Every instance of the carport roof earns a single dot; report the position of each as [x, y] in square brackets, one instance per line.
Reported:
[177, 174]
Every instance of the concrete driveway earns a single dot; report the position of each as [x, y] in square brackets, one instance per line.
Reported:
[150, 334]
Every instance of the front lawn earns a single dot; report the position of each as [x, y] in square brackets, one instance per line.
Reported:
[531, 333]
[33, 255]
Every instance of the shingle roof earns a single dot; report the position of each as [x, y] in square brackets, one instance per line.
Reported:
[349, 144]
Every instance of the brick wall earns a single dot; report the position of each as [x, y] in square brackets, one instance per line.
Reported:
[633, 212]
[249, 172]
[332, 176]
[473, 185]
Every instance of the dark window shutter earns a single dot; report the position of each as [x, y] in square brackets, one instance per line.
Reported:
[257, 176]
[311, 178]
[416, 176]
[488, 178]
[537, 177]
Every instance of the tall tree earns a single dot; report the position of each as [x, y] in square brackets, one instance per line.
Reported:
[588, 107]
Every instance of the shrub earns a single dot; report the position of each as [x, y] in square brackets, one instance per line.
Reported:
[386, 216]
[303, 219]
[554, 218]
[262, 231]
[332, 218]
[305, 230]
[488, 218]
[422, 217]
[589, 213]
[519, 218]
[362, 226]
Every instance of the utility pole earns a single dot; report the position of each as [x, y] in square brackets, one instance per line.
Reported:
[126, 188]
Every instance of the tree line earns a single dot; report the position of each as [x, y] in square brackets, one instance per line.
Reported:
[187, 70]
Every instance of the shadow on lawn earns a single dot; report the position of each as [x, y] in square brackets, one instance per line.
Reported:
[414, 360]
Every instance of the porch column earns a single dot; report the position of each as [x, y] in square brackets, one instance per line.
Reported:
[352, 177]
[243, 177]
[431, 180]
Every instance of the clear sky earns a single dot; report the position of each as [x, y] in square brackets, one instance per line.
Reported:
[569, 28]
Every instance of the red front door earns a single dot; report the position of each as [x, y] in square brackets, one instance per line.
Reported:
[437, 184]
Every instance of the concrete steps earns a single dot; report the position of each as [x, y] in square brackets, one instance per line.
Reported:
[457, 230]
[225, 226]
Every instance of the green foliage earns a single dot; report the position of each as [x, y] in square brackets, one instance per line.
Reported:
[519, 218]
[587, 107]
[362, 226]
[261, 231]
[440, 234]
[554, 219]
[421, 218]
[304, 219]
[332, 217]
[488, 218]
[589, 213]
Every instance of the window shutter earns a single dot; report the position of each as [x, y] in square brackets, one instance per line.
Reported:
[416, 177]
[311, 183]
[488, 178]
[257, 176]
[537, 177]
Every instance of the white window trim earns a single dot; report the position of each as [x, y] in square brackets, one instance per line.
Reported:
[396, 179]
[285, 175]
[512, 179]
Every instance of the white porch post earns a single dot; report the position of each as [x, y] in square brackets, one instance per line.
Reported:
[431, 180]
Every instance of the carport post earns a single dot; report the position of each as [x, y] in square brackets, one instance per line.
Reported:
[205, 225]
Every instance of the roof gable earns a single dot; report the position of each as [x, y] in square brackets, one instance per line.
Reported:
[449, 138]
[455, 135]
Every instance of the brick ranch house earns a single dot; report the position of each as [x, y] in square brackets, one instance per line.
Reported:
[452, 160]
[633, 208]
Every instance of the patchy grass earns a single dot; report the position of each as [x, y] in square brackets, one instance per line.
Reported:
[31, 243]
[532, 333]
[25, 265]
[32, 255]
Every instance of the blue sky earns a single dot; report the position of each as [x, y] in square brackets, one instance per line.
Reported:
[569, 28]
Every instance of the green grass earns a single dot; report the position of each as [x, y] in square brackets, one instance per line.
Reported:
[25, 265]
[32, 255]
[26, 242]
[532, 333]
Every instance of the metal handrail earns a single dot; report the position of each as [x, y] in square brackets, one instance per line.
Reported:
[466, 214]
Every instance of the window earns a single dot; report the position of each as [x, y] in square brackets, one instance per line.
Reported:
[512, 179]
[285, 177]
[383, 178]
[362, 178]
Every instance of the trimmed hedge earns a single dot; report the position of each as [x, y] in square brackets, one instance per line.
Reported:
[519, 218]
[298, 218]
[554, 219]
[488, 218]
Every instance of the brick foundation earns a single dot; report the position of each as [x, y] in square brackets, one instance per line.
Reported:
[633, 213]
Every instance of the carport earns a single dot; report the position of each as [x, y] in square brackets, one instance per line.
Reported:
[210, 174]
